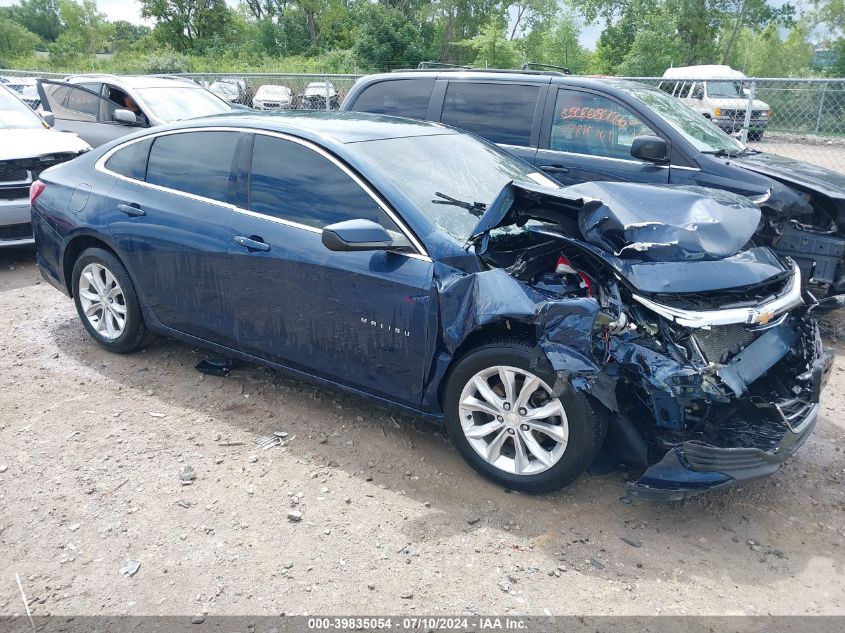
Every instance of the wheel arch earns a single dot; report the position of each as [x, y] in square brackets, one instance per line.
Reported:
[75, 247]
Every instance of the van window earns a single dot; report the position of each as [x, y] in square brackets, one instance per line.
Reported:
[683, 90]
[193, 162]
[587, 123]
[667, 86]
[697, 91]
[402, 97]
[500, 112]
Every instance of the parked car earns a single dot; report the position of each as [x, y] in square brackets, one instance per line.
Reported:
[718, 93]
[97, 107]
[442, 275]
[26, 88]
[233, 90]
[27, 147]
[579, 129]
[315, 94]
[273, 97]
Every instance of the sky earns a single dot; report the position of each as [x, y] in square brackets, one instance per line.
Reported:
[130, 11]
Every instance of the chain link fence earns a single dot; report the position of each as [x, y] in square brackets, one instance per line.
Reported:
[798, 118]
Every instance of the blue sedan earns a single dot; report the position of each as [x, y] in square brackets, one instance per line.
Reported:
[432, 271]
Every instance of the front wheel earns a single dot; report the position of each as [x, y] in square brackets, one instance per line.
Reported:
[509, 423]
[106, 301]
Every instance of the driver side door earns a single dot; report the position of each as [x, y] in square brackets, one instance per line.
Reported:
[81, 111]
[588, 136]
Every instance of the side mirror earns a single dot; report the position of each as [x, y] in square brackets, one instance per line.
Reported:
[356, 235]
[125, 116]
[49, 118]
[650, 148]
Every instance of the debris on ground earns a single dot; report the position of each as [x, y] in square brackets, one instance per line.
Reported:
[294, 516]
[216, 365]
[130, 568]
[631, 540]
[187, 475]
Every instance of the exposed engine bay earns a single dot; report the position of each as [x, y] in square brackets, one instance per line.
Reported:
[699, 341]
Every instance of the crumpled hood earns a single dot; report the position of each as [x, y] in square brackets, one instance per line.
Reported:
[35, 142]
[796, 172]
[665, 224]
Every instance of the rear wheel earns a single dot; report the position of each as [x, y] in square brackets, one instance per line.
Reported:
[106, 301]
[509, 423]
[754, 137]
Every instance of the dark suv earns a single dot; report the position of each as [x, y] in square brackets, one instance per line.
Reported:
[580, 129]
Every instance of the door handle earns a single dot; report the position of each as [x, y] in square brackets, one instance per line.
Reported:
[554, 169]
[131, 209]
[251, 243]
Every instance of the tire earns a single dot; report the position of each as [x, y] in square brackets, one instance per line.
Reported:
[755, 137]
[577, 425]
[105, 276]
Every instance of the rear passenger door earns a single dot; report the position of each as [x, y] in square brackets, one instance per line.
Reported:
[504, 112]
[588, 136]
[170, 216]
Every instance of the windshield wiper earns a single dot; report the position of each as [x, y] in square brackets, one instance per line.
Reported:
[475, 208]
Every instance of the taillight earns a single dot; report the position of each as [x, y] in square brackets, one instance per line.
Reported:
[35, 190]
[565, 268]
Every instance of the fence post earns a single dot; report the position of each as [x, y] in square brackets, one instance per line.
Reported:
[747, 122]
[327, 92]
[821, 107]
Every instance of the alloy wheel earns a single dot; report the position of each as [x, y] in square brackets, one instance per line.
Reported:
[103, 302]
[511, 419]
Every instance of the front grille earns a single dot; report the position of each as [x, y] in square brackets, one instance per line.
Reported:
[744, 296]
[721, 343]
[11, 173]
[16, 231]
[14, 193]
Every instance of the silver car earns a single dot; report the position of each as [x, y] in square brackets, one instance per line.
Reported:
[27, 147]
[101, 108]
[272, 97]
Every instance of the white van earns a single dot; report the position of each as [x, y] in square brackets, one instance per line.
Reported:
[720, 94]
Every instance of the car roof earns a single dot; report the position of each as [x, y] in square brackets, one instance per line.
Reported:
[334, 127]
[136, 81]
[705, 71]
[521, 76]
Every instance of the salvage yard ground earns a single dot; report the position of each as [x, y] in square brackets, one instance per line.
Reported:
[393, 521]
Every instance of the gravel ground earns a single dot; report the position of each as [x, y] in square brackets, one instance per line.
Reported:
[392, 521]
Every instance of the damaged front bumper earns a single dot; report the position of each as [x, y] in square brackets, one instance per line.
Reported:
[759, 439]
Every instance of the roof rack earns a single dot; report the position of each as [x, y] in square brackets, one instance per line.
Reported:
[464, 69]
[530, 65]
[438, 65]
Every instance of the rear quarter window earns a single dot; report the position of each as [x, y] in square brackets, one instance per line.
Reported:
[499, 112]
[399, 97]
[131, 160]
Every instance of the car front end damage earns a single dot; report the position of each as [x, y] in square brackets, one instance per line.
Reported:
[701, 345]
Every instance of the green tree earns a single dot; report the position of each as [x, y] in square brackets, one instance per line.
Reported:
[185, 24]
[40, 17]
[560, 45]
[492, 48]
[15, 40]
[86, 31]
[385, 39]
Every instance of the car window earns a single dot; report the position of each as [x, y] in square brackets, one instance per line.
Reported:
[403, 97]
[15, 114]
[193, 162]
[500, 112]
[293, 182]
[178, 102]
[586, 123]
[82, 102]
[131, 161]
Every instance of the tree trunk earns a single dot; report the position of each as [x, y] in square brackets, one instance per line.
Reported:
[312, 26]
[520, 13]
[735, 30]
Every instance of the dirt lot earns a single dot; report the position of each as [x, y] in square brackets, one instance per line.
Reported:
[393, 522]
[826, 153]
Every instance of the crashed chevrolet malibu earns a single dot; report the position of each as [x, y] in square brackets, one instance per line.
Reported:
[434, 272]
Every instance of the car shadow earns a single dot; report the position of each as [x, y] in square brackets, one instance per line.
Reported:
[754, 534]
